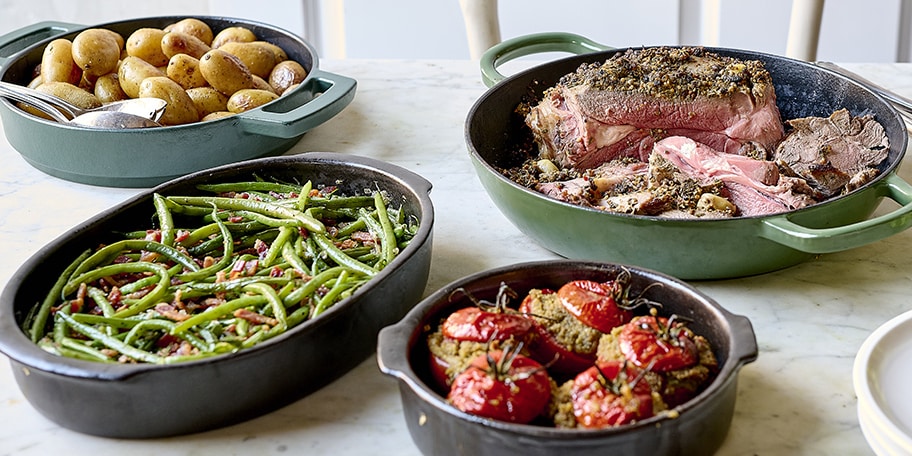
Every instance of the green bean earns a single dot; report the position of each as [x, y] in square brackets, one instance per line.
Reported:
[277, 245]
[84, 351]
[39, 318]
[165, 223]
[167, 327]
[272, 210]
[273, 257]
[109, 252]
[275, 303]
[227, 252]
[215, 312]
[289, 254]
[101, 300]
[108, 341]
[114, 322]
[340, 257]
[388, 238]
[304, 195]
[312, 285]
[241, 187]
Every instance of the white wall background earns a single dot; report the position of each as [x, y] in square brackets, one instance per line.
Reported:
[852, 31]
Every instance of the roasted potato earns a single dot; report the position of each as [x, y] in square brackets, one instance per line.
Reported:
[96, 51]
[174, 43]
[225, 72]
[285, 74]
[180, 109]
[194, 27]
[259, 59]
[217, 115]
[146, 43]
[247, 99]
[207, 100]
[132, 72]
[185, 70]
[107, 88]
[57, 63]
[69, 92]
[233, 35]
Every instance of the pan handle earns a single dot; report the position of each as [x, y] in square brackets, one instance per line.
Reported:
[17, 40]
[320, 98]
[535, 43]
[837, 239]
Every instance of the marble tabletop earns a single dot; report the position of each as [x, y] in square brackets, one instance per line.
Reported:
[810, 319]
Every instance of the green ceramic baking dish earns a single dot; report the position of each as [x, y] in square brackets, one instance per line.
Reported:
[692, 249]
[147, 157]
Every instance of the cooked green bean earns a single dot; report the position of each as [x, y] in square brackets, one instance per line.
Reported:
[217, 274]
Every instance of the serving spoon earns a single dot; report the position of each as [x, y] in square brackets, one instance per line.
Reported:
[131, 113]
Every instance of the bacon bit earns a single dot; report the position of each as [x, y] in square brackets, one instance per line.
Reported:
[181, 235]
[208, 261]
[243, 268]
[260, 247]
[140, 293]
[332, 231]
[77, 304]
[149, 257]
[275, 272]
[115, 296]
[255, 318]
[348, 244]
[303, 233]
[170, 312]
[153, 235]
[236, 219]
[220, 277]
[177, 302]
[365, 237]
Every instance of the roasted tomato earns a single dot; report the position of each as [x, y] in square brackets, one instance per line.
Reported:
[597, 304]
[610, 394]
[502, 385]
[555, 330]
[658, 343]
[477, 325]
[473, 330]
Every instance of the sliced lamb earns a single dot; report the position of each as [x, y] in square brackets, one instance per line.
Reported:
[832, 152]
[621, 107]
[754, 186]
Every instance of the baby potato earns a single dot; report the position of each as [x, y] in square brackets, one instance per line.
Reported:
[132, 72]
[194, 27]
[285, 74]
[96, 51]
[259, 59]
[146, 43]
[247, 99]
[174, 43]
[180, 109]
[217, 115]
[280, 54]
[69, 92]
[231, 35]
[225, 72]
[184, 70]
[260, 83]
[207, 100]
[57, 63]
[107, 89]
